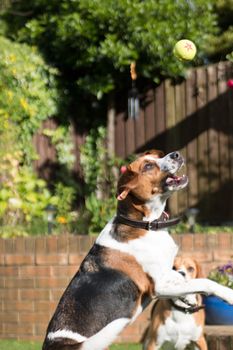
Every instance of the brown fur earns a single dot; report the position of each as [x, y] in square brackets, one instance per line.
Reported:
[162, 308]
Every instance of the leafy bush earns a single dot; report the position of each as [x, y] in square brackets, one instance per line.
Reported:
[28, 92]
[100, 173]
[95, 41]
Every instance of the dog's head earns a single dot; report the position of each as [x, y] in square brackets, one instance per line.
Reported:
[188, 267]
[152, 174]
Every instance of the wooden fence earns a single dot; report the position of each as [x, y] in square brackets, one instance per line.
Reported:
[194, 116]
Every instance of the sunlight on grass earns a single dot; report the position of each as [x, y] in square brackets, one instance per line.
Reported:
[29, 345]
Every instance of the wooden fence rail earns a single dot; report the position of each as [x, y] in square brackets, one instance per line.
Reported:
[194, 116]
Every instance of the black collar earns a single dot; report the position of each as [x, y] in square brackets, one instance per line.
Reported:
[187, 310]
[147, 225]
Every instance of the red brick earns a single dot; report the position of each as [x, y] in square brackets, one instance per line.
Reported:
[51, 282]
[63, 271]
[211, 240]
[34, 294]
[34, 271]
[40, 243]
[2, 260]
[9, 271]
[203, 256]
[10, 245]
[224, 240]
[15, 259]
[31, 317]
[223, 255]
[30, 245]
[15, 329]
[9, 294]
[40, 328]
[51, 259]
[20, 245]
[187, 242]
[199, 241]
[45, 306]
[2, 282]
[74, 245]
[19, 306]
[51, 244]
[76, 260]
[85, 244]
[2, 245]
[9, 317]
[18, 282]
[55, 294]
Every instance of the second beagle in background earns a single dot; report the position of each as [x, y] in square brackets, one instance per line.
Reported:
[175, 321]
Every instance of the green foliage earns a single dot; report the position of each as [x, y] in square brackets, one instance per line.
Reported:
[94, 41]
[230, 56]
[28, 93]
[61, 139]
[23, 197]
[220, 43]
[100, 180]
[183, 227]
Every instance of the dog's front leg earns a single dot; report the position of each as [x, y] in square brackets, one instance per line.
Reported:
[172, 285]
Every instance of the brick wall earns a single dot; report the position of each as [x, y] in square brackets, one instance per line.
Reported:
[35, 271]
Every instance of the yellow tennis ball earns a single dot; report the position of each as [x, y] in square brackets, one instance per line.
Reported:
[185, 50]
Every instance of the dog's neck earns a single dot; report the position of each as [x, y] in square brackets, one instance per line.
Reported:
[136, 209]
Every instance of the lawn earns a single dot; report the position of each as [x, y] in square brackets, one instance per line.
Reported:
[22, 345]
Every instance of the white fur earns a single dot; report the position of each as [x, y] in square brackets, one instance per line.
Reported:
[156, 206]
[155, 251]
[179, 329]
[106, 336]
[65, 333]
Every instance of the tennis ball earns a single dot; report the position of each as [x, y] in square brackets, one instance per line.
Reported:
[185, 50]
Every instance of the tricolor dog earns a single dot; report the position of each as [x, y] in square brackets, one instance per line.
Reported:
[129, 264]
[175, 322]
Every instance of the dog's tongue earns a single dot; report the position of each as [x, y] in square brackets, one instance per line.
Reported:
[173, 179]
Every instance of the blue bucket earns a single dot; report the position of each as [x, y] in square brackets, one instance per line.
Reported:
[218, 312]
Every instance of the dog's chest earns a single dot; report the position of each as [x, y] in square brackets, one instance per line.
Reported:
[155, 251]
[180, 329]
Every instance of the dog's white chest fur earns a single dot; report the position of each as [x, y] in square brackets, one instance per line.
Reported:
[180, 329]
[155, 251]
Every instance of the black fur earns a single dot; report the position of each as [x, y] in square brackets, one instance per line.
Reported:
[96, 296]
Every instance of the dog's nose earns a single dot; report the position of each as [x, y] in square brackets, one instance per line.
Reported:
[182, 273]
[175, 155]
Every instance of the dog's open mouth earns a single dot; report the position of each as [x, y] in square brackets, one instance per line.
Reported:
[175, 183]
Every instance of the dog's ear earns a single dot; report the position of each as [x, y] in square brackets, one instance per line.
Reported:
[127, 182]
[199, 270]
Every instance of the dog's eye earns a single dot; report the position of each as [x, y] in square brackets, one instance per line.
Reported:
[190, 269]
[148, 166]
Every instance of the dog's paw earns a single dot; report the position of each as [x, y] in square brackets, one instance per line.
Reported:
[225, 293]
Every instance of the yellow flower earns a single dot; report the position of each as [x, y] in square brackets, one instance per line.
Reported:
[9, 95]
[24, 104]
[12, 58]
[61, 220]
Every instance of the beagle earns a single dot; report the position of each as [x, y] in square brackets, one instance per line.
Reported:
[129, 264]
[175, 322]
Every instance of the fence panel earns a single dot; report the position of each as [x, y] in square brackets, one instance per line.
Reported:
[194, 116]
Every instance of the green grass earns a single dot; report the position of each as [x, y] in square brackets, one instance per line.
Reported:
[29, 345]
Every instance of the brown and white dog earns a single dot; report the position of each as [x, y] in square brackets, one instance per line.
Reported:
[176, 322]
[129, 264]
